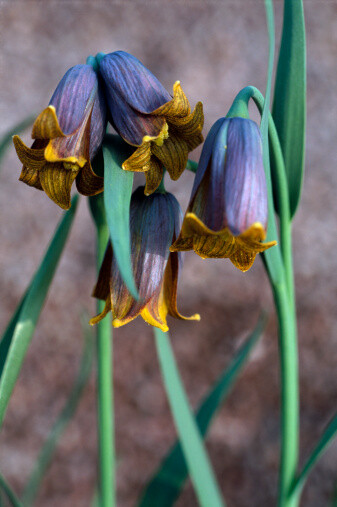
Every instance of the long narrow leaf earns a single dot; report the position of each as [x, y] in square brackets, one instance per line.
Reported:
[326, 439]
[6, 339]
[117, 196]
[31, 309]
[6, 139]
[5, 487]
[48, 449]
[166, 485]
[197, 460]
[289, 108]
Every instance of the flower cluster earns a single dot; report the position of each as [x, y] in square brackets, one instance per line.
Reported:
[228, 209]
[68, 133]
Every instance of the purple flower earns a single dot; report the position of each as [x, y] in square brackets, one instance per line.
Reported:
[68, 134]
[228, 210]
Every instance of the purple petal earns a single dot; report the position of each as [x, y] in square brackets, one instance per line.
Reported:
[245, 183]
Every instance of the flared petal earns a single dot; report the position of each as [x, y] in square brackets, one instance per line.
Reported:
[87, 182]
[207, 243]
[102, 287]
[32, 158]
[171, 287]
[56, 181]
[153, 176]
[173, 154]
[177, 107]
[100, 316]
[140, 160]
[46, 125]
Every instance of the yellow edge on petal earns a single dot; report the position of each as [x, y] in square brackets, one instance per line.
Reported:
[52, 156]
[46, 125]
[152, 321]
[241, 249]
[140, 160]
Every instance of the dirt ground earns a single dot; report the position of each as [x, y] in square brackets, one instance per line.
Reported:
[214, 48]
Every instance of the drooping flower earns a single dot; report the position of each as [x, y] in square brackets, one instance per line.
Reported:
[154, 224]
[145, 115]
[228, 210]
[67, 135]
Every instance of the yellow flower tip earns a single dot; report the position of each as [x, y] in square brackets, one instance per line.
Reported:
[46, 125]
[196, 317]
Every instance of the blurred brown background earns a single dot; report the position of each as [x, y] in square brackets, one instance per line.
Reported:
[214, 48]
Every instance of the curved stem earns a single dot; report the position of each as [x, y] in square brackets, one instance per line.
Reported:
[105, 393]
[282, 282]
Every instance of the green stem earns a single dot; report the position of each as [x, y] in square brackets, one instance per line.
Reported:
[107, 488]
[200, 469]
[289, 393]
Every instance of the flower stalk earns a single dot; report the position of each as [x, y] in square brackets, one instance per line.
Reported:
[105, 408]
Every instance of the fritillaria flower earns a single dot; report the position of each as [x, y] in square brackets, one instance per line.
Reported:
[228, 210]
[145, 115]
[154, 224]
[67, 135]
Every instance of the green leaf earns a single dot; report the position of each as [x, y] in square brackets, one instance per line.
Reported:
[31, 309]
[117, 196]
[272, 256]
[6, 339]
[6, 139]
[326, 439]
[5, 487]
[289, 108]
[46, 454]
[192, 445]
[166, 485]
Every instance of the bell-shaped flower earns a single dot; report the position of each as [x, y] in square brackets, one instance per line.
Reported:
[228, 210]
[154, 224]
[67, 135]
[145, 115]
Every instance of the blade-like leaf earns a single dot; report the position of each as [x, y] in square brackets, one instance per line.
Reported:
[5, 487]
[48, 449]
[6, 139]
[166, 485]
[6, 339]
[31, 309]
[289, 108]
[117, 196]
[198, 464]
[326, 439]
